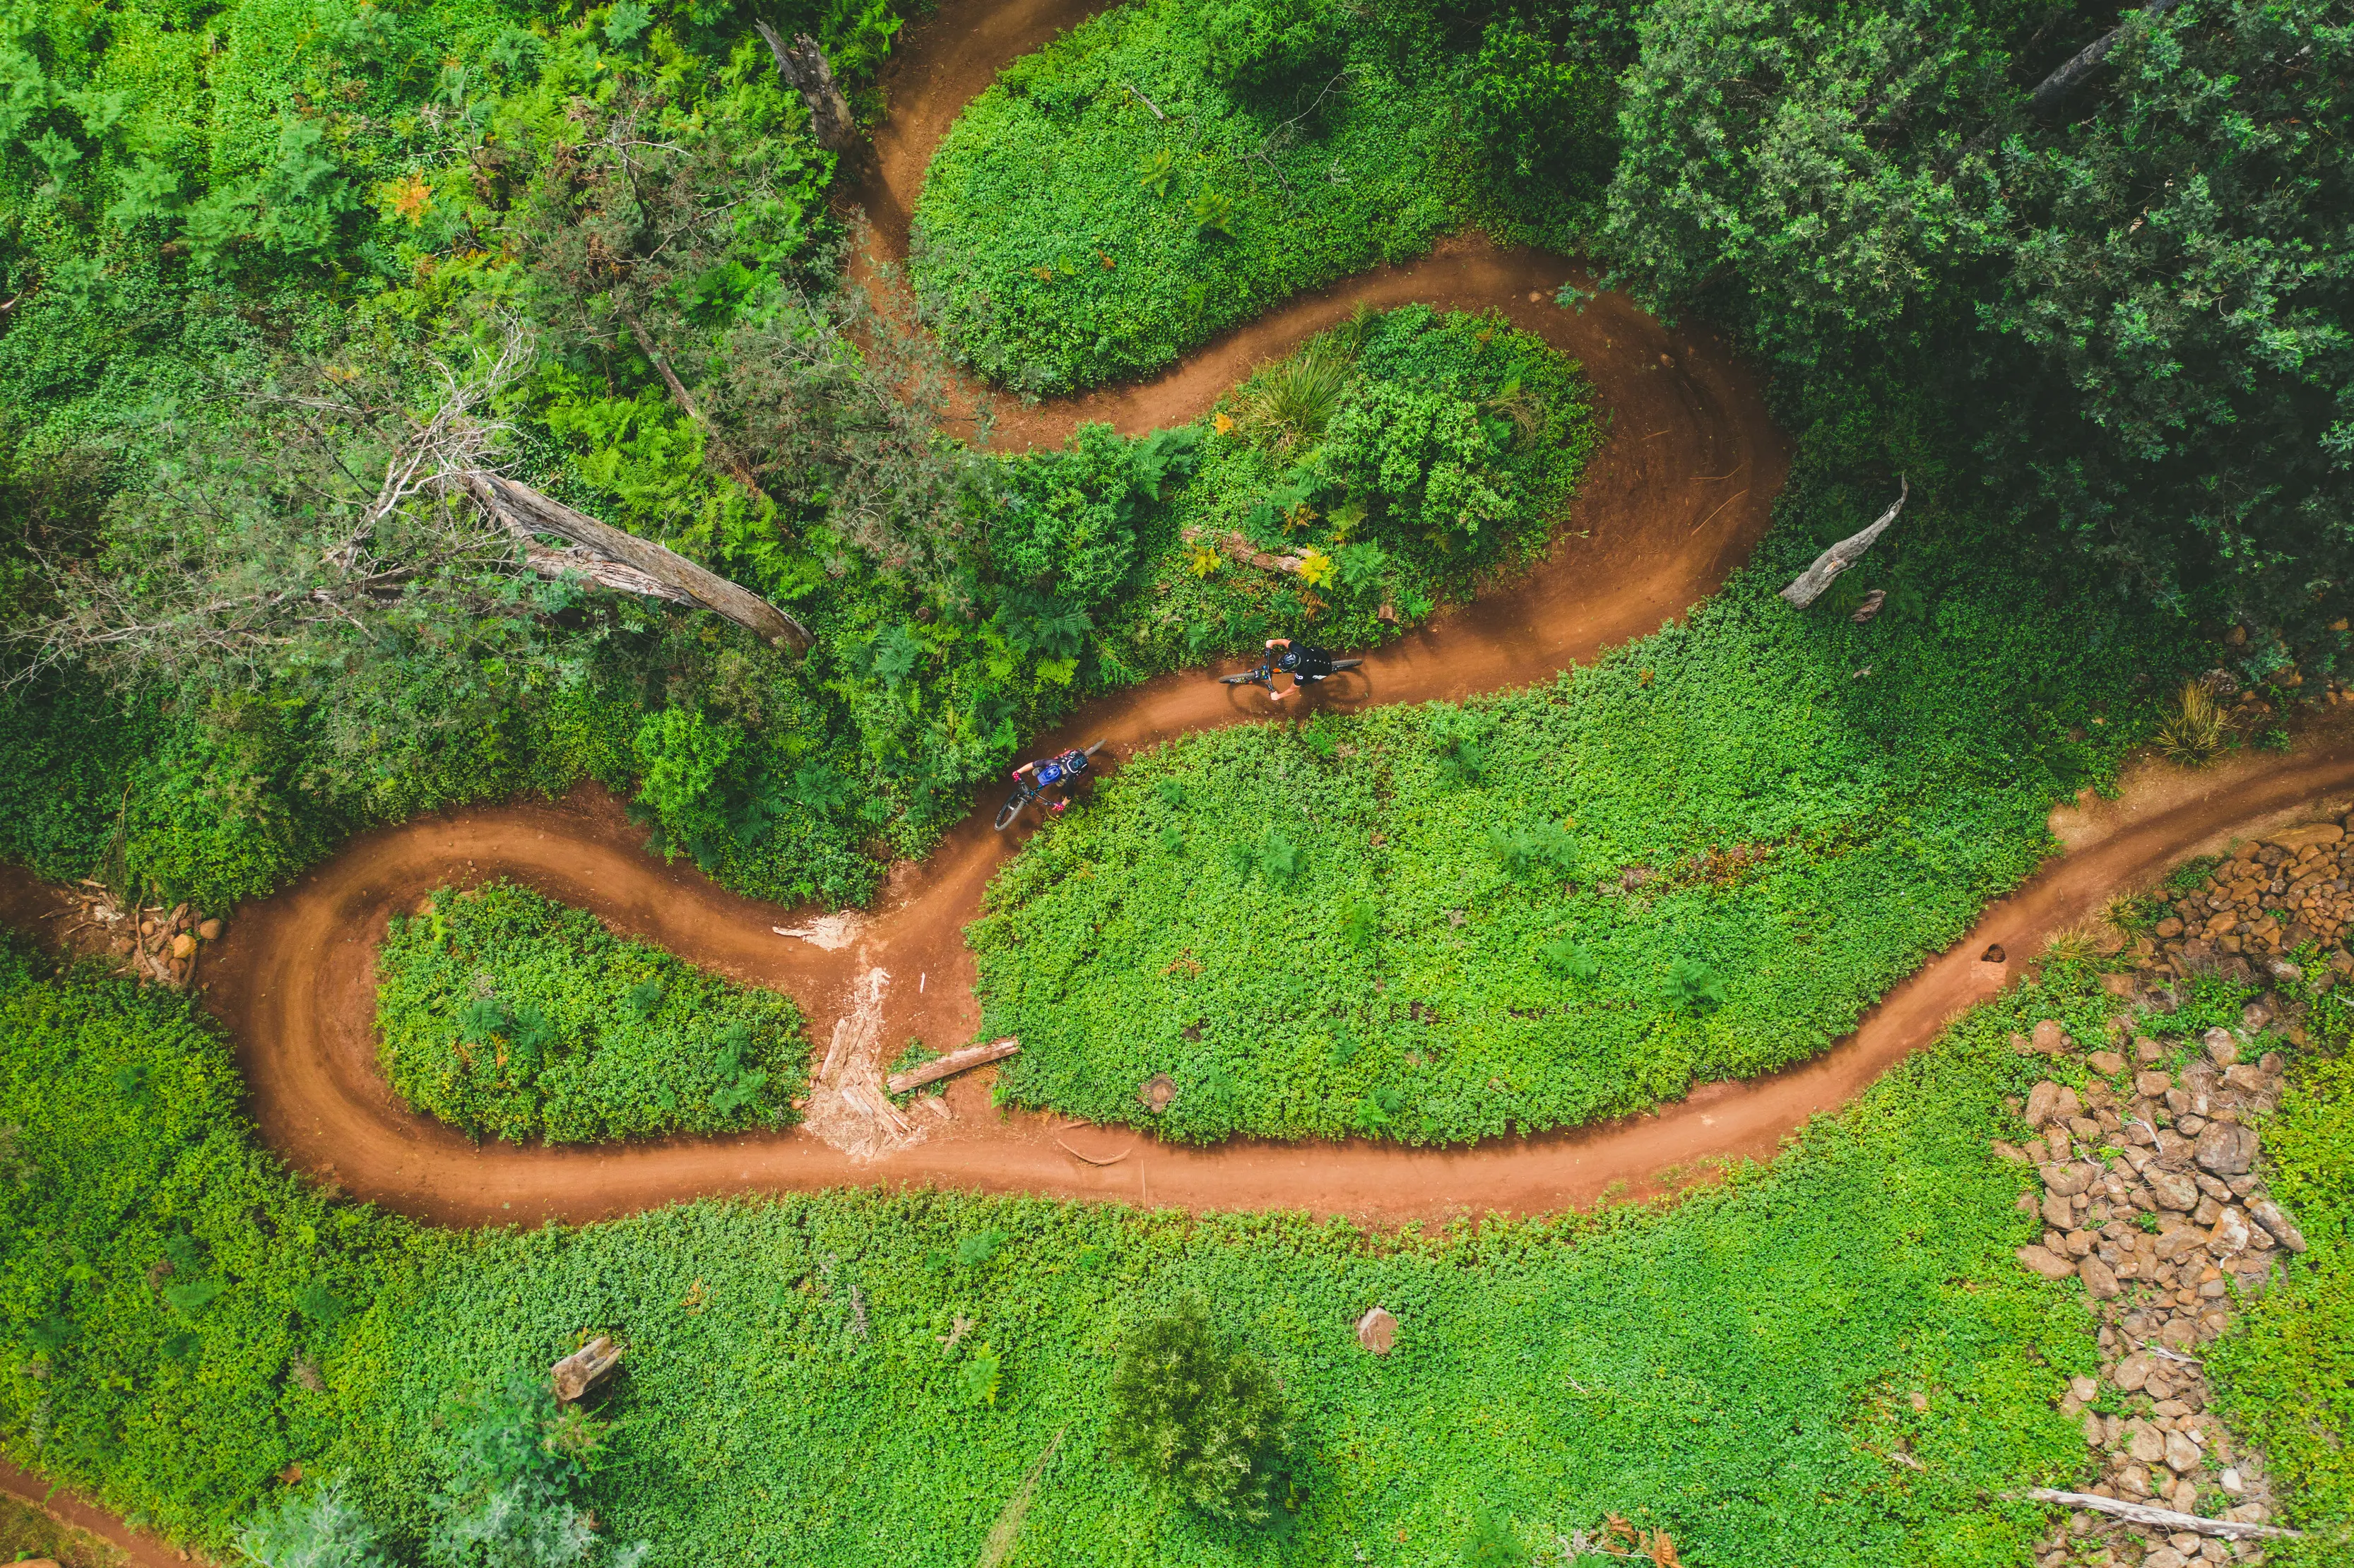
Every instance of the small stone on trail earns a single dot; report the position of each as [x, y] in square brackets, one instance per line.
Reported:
[209, 930]
[1377, 1331]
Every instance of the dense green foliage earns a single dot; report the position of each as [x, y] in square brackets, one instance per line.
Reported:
[509, 1015]
[1703, 857]
[1200, 165]
[2288, 1377]
[1737, 1369]
[2125, 314]
[236, 652]
[2130, 310]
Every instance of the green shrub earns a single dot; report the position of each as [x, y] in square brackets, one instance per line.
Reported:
[1205, 1425]
[508, 1015]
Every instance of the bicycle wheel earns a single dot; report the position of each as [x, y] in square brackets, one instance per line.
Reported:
[1248, 677]
[1011, 809]
[1341, 664]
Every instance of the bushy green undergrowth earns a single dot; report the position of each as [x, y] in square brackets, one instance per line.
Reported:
[1400, 456]
[1701, 857]
[509, 1015]
[1739, 1370]
[1167, 170]
[779, 778]
[2288, 1375]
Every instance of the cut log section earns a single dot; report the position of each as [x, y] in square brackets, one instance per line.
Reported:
[624, 561]
[953, 1063]
[584, 1368]
[1809, 585]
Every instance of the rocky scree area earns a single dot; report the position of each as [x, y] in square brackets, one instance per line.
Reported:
[2153, 1196]
[2272, 896]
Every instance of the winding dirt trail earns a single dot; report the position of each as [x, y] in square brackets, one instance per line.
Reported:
[1676, 499]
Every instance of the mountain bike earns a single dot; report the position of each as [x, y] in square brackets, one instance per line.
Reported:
[1266, 673]
[1025, 791]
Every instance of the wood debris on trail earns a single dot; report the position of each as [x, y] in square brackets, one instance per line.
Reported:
[155, 945]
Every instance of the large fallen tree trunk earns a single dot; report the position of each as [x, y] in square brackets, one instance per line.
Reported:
[954, 1062]
[2164, 1519]
[2051, 94]
[803, 66]
[1809, 585]
[645, 567]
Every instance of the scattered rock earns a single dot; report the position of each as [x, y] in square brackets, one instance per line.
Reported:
[2108, 1064]
[2226, 1149]
[2100, 1280]
[1377, 1331]
[209, 930]
[2173, 1189]
[2182, 1455]
[2133, 1371]
[2267, 1213]
[2221, 1047]
[182, 946]
[1157, 1093]
[2043, 1261]
[2298, 838]
[2049, 1039]
[1994, 954]
[2152, 1085]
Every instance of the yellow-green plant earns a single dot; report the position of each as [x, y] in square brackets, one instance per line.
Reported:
[2195, 733]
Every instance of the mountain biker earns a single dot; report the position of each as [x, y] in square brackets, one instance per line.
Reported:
[1299, 661]
[1062, 772]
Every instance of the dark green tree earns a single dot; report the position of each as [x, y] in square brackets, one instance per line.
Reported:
[1204, 1424]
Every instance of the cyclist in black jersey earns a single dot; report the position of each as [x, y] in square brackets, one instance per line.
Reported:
[1299, 661]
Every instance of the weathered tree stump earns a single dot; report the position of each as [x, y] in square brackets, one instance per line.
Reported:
[1377, 1331]
[584, 1368]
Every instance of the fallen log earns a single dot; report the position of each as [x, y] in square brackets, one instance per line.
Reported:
[584, 1368]
[1809, 585]
[2164, 1519]
[1234, 544]
[953, 1063]
[2052, 93]
[805, 70]
[646, 567]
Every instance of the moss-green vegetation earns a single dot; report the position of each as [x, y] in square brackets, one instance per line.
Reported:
[509, 1015]
[1701, 857]
[2288, 1378]
[1740, 1369]
[1168, 170]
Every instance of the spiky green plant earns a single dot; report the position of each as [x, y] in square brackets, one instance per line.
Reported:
[2194, 734]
